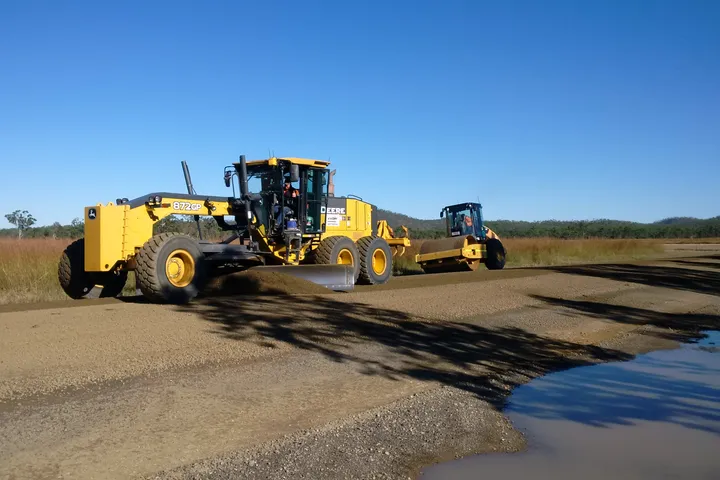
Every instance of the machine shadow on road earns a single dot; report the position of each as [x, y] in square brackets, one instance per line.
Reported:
[484, 361]
[676, 326]
[695, 263]
[687, 279]
[488, 362]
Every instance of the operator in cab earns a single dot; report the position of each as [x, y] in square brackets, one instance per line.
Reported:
[289, 191]
[467, 225]
[291, 195]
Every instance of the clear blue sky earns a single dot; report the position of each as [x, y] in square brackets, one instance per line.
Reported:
[542, 109]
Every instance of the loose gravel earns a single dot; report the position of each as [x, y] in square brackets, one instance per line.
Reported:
[383, 443]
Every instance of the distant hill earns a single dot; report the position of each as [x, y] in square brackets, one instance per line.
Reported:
[683, 220]
[396, 219]
[675, 227]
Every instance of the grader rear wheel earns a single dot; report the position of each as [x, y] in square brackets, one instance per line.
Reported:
[375, 260]
[171, 268]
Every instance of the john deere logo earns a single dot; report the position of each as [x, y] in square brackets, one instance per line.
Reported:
[92, 214]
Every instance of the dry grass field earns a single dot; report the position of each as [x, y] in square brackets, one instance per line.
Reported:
[28, 270]
[696, 241]
[530, 252]
[28, 267]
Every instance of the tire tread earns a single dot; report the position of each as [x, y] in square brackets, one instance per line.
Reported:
[364, 245]
[146, 271]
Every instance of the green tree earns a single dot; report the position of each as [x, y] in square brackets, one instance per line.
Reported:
[77, 228]
[22, 220]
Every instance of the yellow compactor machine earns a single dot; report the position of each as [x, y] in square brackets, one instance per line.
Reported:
[303, 230]
[468, 243]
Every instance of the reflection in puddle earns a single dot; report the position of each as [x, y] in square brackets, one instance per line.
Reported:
[657, 416]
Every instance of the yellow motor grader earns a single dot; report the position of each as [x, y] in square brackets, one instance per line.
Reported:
[468, 244]
[305, 232]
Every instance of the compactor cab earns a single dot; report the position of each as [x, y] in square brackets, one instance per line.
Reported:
[464, 219]
[469, 242]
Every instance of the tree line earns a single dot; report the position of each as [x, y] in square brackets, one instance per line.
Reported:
[421, 229]
[697, 228]
[23, 229]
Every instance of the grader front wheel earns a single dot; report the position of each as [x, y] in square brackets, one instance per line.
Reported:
[170, 268]
[338, 250]
[77, 283]
[74, 280]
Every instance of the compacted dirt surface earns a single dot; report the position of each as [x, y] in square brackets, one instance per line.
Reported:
[377, 383]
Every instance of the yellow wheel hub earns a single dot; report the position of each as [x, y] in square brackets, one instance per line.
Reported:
[379, 262]
[180, 268]
[345, 257]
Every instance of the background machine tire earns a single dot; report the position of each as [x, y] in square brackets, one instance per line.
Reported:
[338, 250]
[495, 254]
[376, 260]
[171, 268]
[77, 283]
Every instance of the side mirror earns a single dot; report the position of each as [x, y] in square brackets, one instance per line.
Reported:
[228, 177]
[294, 173]
[442, 213]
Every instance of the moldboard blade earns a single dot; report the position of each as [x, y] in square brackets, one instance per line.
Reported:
[339, 278]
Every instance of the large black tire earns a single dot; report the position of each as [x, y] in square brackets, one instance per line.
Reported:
[495, 254]
[376, 260]
[74, 280]
[77, 283]
[335, 250]
[152, 268]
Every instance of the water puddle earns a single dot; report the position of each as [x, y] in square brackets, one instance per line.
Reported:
[657, 416]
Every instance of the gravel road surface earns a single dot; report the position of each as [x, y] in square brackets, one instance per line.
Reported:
[371, 384]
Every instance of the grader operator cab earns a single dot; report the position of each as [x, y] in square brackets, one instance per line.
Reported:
[304, 231]
[469, 242]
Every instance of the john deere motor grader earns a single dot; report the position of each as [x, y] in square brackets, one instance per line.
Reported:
[333, 241]
[468, 244]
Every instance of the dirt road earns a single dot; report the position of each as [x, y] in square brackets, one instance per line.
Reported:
[375, 382]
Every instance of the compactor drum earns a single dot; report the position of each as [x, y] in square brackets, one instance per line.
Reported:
[293, 224]
[469, 243]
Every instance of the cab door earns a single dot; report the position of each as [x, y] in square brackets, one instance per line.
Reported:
[316, 197]
[478, 222]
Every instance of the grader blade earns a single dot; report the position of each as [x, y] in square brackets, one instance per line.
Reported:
[455, 254]
[339, 278]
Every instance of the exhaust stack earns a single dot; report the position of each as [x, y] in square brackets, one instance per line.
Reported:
[244, 189]
[331, 184]
[191, 191]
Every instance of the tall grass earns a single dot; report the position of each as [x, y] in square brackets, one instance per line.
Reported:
[28, 267]
[696, 241]
[551, 251]
[527, 252]
[28, 270]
